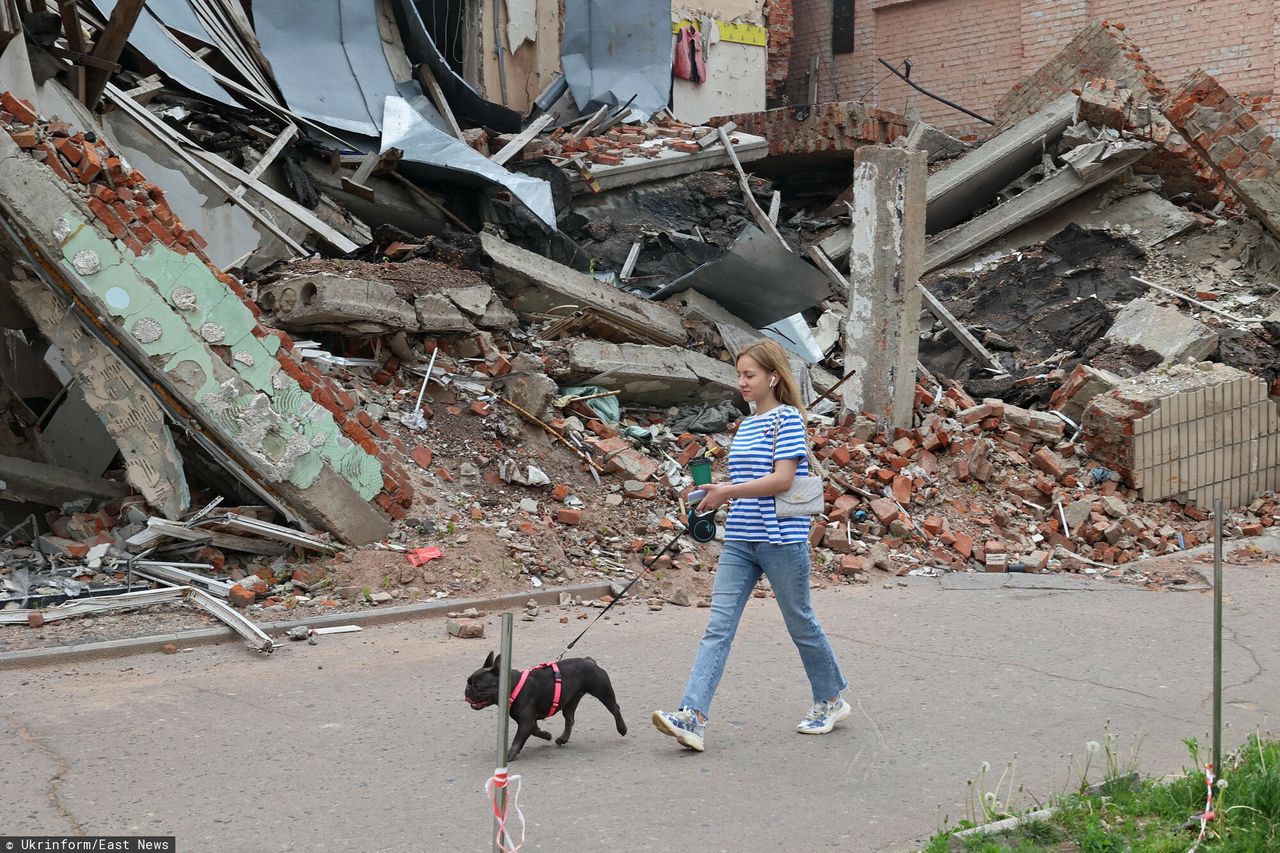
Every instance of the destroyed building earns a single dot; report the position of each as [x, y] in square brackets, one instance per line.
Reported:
[455, 314]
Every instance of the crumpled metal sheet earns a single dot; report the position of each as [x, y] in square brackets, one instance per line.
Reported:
[465, 101]
[149, 38]
[178, 15]
[328, 61]
[434, 150]
[757, 280]
[614, 49]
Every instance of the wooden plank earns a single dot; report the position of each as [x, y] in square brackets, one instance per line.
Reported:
[524, 138]
[714, 136]
[1191, 300]
[757, 212]
[839, 284]
[340, 241]
[356, 183]
[146, 89]
[432, 86]
[111, 42]
[630, 265]
[586, 128]
[269, 156]
[962, 333]
[425, 196]
[775, 206]
[168, 137]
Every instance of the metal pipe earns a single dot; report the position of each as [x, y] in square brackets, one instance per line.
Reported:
[1217, 636]
[922, 90]
[504, 710]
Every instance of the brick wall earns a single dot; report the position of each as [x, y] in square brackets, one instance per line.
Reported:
[972, 51]
[779, 19]
[1190, 435]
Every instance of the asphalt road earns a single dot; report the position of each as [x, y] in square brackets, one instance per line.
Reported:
[363, 742]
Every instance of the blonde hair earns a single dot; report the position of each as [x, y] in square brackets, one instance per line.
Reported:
[773, 358]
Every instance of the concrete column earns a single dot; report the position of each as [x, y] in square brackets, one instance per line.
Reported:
[882, 327]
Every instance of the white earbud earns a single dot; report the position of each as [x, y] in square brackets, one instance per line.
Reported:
[773, 381]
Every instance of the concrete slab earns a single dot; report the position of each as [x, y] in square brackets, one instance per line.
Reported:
[1049, 194]
[538, 285]
[664, 376]
[1165, 329]
[337, 303]
[972, 181]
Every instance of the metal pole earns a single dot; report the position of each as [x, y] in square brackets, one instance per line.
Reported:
[1217, 636]
[504, 708]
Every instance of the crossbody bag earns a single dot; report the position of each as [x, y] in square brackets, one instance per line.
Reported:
[804, 497]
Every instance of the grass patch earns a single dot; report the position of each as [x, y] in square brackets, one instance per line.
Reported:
[1150, 816]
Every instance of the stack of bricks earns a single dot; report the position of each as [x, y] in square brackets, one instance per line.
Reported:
[134, 212]
[1225, 133]
[829, 127]
[781, 23]
[1190, 435]
[623, 141]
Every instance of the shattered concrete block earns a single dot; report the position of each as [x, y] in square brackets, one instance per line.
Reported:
[339, 303]
[1165, 330]
[664, 376]
[437, 315]
[533, 392]
[473, 300]
[937, 144]
[537, 284]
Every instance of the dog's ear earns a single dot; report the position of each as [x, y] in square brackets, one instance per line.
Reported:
[488, 662]
[497, 663]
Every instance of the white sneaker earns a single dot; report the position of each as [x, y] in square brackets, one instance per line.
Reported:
[823, 716]
[682, 725]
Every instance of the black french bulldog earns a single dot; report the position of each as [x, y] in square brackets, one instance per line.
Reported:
[579, 676]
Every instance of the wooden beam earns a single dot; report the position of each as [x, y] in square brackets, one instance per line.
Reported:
[69, 11]
[268, 156]
[111, 42]
[168, 137]
[630, 265]
[586, 127]
[757, 212]
[146, 89]
[714, 136]
[962, 333]
[373, 163]
[524, 138]
[839, 284]
[432, 86]
[775, 206]
[425, 196]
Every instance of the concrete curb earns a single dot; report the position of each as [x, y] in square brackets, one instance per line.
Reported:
[206, 636]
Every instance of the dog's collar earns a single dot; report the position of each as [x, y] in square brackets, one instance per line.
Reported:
[555, 697]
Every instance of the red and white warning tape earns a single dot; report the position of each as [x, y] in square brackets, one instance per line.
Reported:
[1208, 806]
[498, 782]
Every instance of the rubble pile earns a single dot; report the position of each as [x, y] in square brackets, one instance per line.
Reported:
[334, 362]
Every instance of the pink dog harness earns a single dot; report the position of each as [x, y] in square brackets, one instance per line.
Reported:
[555, 698]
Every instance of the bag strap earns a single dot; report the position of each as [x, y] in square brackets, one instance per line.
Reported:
[808, 451]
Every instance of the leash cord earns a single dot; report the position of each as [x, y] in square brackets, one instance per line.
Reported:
[625, 590]
[497, 782]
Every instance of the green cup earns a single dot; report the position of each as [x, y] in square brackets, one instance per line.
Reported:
[700, 470]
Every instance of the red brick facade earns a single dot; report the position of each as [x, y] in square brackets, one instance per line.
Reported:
[973, 51]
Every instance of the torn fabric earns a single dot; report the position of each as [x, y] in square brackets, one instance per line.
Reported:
[614, 49]
[430, 147]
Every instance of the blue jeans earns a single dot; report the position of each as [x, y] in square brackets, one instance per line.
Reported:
[740, 567]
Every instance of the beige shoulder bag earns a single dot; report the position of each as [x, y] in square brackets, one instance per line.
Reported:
[804, 497]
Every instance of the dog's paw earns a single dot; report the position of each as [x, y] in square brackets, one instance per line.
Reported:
[561, 741]
[542, 734]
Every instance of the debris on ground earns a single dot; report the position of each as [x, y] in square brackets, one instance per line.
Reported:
[449, 351]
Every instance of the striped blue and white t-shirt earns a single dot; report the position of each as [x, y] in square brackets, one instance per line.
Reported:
[751, 456]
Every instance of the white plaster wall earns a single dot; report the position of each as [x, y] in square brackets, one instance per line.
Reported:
[735, 84]
[743, 11]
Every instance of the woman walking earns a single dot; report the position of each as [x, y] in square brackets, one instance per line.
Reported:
[768, 451]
